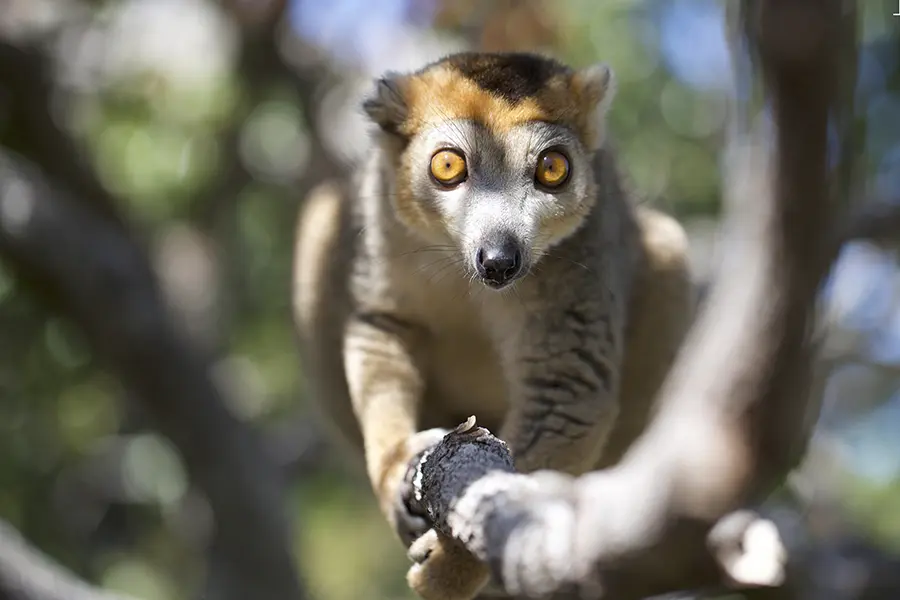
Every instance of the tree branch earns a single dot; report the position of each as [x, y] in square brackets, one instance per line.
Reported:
[32, 129]
[93, 270]
[26, 574]
[736, 411]
[878, 223]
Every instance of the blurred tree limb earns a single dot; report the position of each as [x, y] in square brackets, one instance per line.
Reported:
[250, 554]
[737, 410]
[26, 574]
[31, 128]
[78, 252]
[878, 223]
[61, 234]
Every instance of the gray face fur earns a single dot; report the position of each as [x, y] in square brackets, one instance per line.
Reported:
[500, 205]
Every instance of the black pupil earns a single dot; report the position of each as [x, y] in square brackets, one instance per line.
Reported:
[448, 162]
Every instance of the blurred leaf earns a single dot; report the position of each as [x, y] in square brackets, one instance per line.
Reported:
[136, 577]
[6, 283]
[65, 344]
[86, 412]
[275, 144]
[343, 533]
[152, 470]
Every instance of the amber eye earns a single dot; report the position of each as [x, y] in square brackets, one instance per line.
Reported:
[448, 167]
[552, 169]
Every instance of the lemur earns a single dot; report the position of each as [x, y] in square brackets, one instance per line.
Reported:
[488, 259]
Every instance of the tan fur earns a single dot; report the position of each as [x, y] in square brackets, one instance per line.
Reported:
[320, 302]
[414, 213]
[559, 226]
[565, 366]
[317, 231]
[442, 93]
[451, 572]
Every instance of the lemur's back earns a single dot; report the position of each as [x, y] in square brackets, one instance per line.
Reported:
[323, 255]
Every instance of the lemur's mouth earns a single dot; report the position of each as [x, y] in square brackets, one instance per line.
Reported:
[494, 285]
[501, 283]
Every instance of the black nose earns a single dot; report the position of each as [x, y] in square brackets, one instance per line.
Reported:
[499, 263]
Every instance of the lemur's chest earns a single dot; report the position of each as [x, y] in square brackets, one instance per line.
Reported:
[465, 372]
[465, 378]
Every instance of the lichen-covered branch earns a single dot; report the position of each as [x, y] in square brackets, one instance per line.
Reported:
[736, 411]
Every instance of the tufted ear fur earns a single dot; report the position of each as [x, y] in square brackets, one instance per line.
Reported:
[596, 89]
[387, 106]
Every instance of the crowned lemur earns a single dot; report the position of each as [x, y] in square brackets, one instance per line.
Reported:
[487, 260]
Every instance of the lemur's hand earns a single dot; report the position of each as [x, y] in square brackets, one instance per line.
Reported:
[409, 522]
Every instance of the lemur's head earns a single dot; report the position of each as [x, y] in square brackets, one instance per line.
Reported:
[493, 152]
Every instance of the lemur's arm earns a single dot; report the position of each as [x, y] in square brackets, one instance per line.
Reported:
[386, 385]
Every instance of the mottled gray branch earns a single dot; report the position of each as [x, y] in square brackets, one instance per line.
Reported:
[735, 413]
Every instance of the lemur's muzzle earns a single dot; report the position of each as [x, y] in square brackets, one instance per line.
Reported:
[499, 261]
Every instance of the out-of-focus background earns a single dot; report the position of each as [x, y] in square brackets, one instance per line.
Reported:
[208, 126]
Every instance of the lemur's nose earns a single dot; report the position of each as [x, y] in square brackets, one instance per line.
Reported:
[499, 263]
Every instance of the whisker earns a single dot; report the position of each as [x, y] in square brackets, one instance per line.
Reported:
[515, 291]
[443, 271]
[546, 254]
[443, 261]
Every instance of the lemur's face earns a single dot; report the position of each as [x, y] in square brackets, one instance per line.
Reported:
[493, 154]
[503, 198]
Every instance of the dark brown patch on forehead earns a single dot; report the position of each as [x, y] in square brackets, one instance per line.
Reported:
[513, 76]
[499, 91]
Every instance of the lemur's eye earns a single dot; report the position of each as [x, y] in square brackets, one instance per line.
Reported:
[448, 167]
[552, 169]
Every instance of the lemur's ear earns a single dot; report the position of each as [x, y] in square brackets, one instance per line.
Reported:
[596, 89]
[387, 107]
